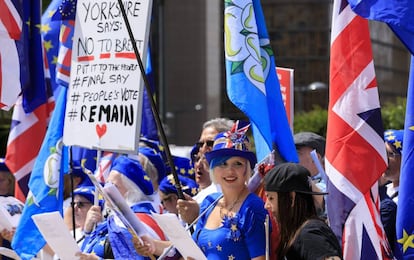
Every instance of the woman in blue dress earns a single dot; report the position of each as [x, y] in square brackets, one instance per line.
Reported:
[232, 226]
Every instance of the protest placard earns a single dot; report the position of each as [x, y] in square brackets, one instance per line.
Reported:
[104, 102]
[285, 76]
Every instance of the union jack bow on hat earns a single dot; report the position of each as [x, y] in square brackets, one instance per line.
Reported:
[233, 143]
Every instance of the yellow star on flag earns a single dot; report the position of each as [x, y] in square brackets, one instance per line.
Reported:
[406, 241]
[233, 227]
[48, 45]
[44, 28]
[397, 144]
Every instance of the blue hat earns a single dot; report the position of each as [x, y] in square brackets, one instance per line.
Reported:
[154, 144]
[78, 171]
[193, 153]
[3, 166]
[232, 143]
[133, 170]
[156, 159]
[89, 193]
[395, 139]
[188, 185]
[183, 167]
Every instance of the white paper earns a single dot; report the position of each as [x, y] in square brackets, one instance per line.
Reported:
[180, 238]
[58, 237]
[10, 212]
[9, 253]
[116, 197]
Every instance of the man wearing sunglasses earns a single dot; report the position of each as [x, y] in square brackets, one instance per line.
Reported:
[189, 209]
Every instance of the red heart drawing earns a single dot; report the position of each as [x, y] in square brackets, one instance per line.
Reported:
[101, 130]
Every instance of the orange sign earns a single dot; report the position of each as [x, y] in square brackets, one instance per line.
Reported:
[285, 77]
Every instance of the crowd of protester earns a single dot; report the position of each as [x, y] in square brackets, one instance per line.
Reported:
[283, 218]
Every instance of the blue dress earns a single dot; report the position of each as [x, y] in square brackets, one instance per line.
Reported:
[95, 242]
[240, 237]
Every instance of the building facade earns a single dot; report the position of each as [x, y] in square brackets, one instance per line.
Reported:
[187, 44]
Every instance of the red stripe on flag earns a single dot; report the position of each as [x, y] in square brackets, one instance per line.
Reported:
[26, 138]
[353, 135]
[10, 22]
[348, 59]
[347, 146]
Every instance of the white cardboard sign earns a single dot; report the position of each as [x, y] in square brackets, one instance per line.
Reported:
[104, 102]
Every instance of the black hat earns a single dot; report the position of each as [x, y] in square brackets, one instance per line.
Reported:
[311, 140]
[286, 177]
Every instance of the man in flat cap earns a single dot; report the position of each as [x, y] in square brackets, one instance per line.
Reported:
[311, 152]
[306, 143]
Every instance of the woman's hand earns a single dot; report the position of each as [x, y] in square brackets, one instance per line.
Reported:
[188, 209]
[86, 256]
[93, 217]
[146, 248]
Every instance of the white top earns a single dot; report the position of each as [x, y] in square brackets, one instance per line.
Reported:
[213, 188]
[392, 192]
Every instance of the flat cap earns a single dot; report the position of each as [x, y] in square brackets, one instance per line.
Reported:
[311, 140]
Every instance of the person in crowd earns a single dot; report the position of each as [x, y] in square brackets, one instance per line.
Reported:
[7, 180]
[168, 192]
[388, 187]
[304, 236]
[135, 187]
[9, 203]
[306, 143]
[231, 225]
[234, 226]
[205, 144]
[189, 208]
[84, 197]
[153, 164]
[72, 181]
[393, 145]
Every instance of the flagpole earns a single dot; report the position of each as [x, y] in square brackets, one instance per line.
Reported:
[154, 110]
[72, 205]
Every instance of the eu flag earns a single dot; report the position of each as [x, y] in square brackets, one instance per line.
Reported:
[50, 32]
[398, 14]
[46, 185]
[405, 213]
[252, 83]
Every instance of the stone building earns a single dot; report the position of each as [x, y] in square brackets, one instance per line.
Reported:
[187, 43]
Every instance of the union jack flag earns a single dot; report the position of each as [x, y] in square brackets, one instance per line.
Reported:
[25, 138]
[32, 111]
[354, 134]
[10, 32]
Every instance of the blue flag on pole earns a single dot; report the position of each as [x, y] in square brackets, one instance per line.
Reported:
[148, 126]
[50, 32]
[252, 83]
[32, 76]
[46, 187]
[398, 14]
[405, 213]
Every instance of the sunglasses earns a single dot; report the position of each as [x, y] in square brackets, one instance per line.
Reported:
[209, 143]
[80, 204]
